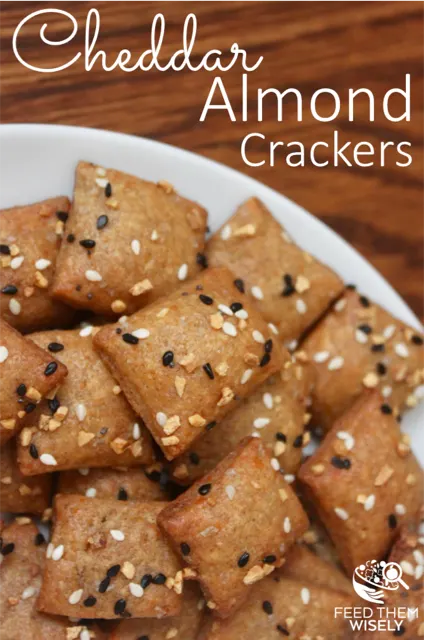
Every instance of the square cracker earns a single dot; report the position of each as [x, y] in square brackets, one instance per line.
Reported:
[359, 345]
[184, 361]
[139, 242]
[23, 557]
[276, 412]
[292, 289]
[283, 607]
[108, 547]
[28, 374]
[304, 565]
[120, 483]
[30, 237]
[183, 627]
[93, 427]
[18, 493]
[364, 480]
[234, 526]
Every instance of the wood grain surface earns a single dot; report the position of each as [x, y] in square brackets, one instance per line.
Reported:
[307, 45]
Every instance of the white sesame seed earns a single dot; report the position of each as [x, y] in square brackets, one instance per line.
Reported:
[340, 304]
[419, 572]
[136, 433]
[246, 376]
[419, 392]
[75, 597]
[48, 459]
[336, 363]
[389, 331]
[83, 471]
[14, 307]
[58, 552]
[229, 329]
[42, 264]
[407, 567]
[93, 276]
[28, 593]
[85, 635]
[260, 423]
[255, 434]
[226, 232]
[49, 550]
[136, 590]
[369, 502]
[16, 262]
[273, 328]
[321, 356]
[81, 412]
[141, 333]
[258, 337]
[161, 418]
[275, 464]
[361, 337]
[401, 350]
[289, 478]
[91, 492]
[225, 310]
[4, 353]
[386, 391]
[154, 235]
[305, 595]
[182, 272]
[101, 182]
[268, 400]
[230, 491]
[341, 513]
[117, 535]
[257, 293]
[301, 306]
[400, 509]
[292, 345]
[135, 247]
[418, 556]
[86, 331]
[347, 438]
[100, 171]
[241, 314]
[287, 525]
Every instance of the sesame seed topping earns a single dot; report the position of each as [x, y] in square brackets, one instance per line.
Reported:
[347, 438]
[185, 548]
[361, 337]
[48, 460]
[75, 597]
[93, 276]
[117, 535]
[10, 290]
[260, 423]
[389, 331]
[364, 301]
[265, 360]
[386, 409]
[136, 590]
[135, 247]
[120, 606]
[369, 502]
[225, 309]
[58, 552]
[28, 593]
[168, 359]
[336, 363]
[4, 250]
[159, 578]
[230, 491]
[14, 307]
[257, 293]
[392, 521]
[400, 509]
[301, 306]
[226, 232]
[229, 329]
[258, 337]
[205, 299]
[305, 595]
[267, 607]
[81, 412]
[202, 260]
[146, 580]
[142, 334]
[91, 492]
[16, 262]
[243, 559]
[161, 418]
[113, 571]
[416, 339]
[268, 400]
[204, 489]
[341, 513]
[182, 272]
[287, 525]
[129, 338]
[247, 374]
[340, 463]
[401, 350]
[4, 353]
[241, 314]
[275, 464]
[239, 284]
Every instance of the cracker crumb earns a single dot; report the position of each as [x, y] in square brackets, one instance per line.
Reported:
[128, 570]
[383, 476]
[216, 321]
[40, 280]
[171, 425]
[197, 420]
[118, 306]
[169, 441]
[245, 231]
[370, 380]
[222, 369]
[227, 395]
[118, 445]
[141, 287]
[188, 362]
[84, 438]
[180, 384]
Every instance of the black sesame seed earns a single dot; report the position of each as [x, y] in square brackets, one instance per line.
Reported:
[268, 346]
[282, 629]
[50, 369]
[194, 458]
[381, 368]
[122, 494]
[119, 607]
[288, 290]
[386, 409]
[210, 425]
[399, 632]
[392, 521]
[378, 347]
[340, 463]
[204, 489]
[146, 580]
[298, 441]
[364, 301]
[55, 347]
[90, 601]
[54, 404]
[129, 338]
[8, 548]
[239, 285]
[236, 306]
[185, 548]
[243, 560]
[168, 358]
[62, 215]
[267, 607]
[29, 408]
[88, 244]
[102, 222]
[208, 370]
[39, 539]
[269, 559]
[70, 238]
[9, 290]
[108, 190]
[206, 299]
[33, 451]
[365, 328]
[288, 279]
[281, 436]
[4, 250]
[202, 260]
[103, 586]
[21, 389]
[113, 571]
[265, 360]
[159, 579]
[416, 339]
[118, 331]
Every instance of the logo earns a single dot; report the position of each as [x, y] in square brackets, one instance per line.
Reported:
[371, 579]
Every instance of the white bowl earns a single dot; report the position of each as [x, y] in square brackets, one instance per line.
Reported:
[38, 161]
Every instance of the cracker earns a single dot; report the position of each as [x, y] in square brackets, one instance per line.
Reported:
[276, 413]
[30, 237]
[283, 607]
[304, 565]
[358, 479]
[357, 346]
[234, 525]
[292, 289]
[152, 352]
[109, 549]
[138, 243]
[119, 483]
[182, 627]
[87, 424]
[18, 493]
[28, 374]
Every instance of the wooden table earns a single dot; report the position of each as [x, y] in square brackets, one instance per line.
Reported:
[307, 45]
